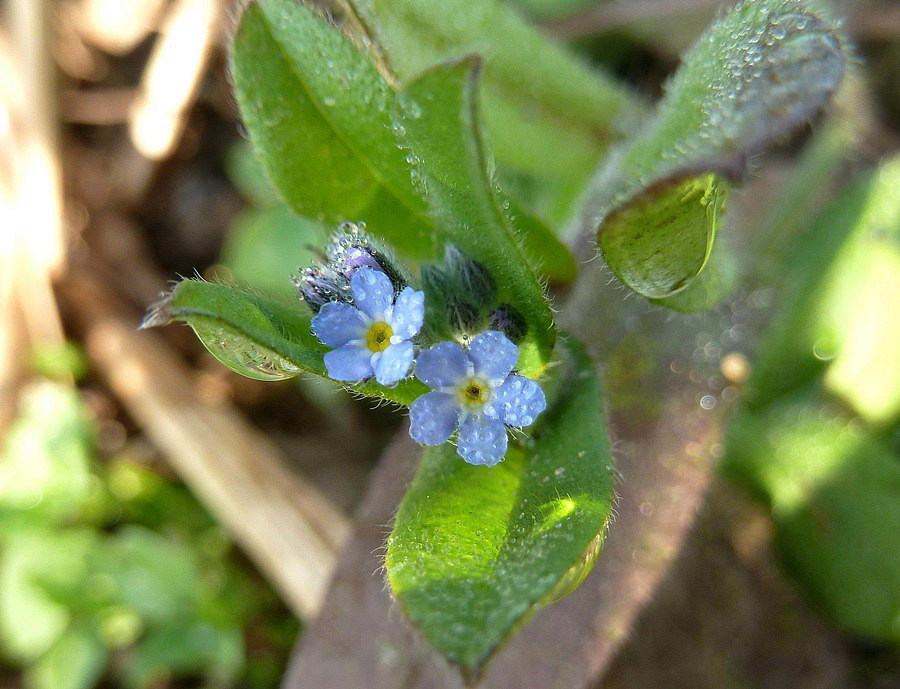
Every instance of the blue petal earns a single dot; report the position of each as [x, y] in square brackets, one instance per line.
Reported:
[442, 365]
[394, 363]
[349, 363]
[409, 312]
[337, 323]
[494, 355]
[372, 291]
[432, 418]
[519, 401]
[482, 440]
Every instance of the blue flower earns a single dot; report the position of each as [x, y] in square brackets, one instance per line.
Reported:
[372, 337]
[476, 392]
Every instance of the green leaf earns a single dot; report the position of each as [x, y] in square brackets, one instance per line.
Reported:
[833, 489]
[763, 69]
[35, 565]
[545, 251]
[320, 118]
[442, 123]
[247, 174]
[45, 469]
[546, 111]
[264, 247]
[475, 550]
[256, 336]
[187, 647]
[323, 121]
[150, 574]
[551, 9]
[76, 661]
[832, 320]
[652, 241]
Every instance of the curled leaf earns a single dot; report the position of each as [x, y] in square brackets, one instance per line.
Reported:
[762, 70]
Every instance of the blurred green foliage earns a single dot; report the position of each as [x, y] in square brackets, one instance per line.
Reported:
[816, 437]
[112, 573]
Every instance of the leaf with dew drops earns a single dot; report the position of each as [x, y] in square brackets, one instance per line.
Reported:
[259, 337]
[762, 70]
[327, 127]
[319, 115]
[443, 125]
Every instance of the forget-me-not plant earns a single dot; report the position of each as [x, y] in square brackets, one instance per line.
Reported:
[476, 392]
[371, 336]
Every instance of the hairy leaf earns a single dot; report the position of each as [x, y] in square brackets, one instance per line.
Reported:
[443, 129]
[544, 249]
[328, 129]
[762, 69]
[475, 550]
[256, 336]
[320, 118]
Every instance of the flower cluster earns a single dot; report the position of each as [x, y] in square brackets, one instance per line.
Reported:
[373, 321]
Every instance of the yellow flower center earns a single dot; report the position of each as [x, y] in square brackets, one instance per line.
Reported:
[379, 337]
[474, 393]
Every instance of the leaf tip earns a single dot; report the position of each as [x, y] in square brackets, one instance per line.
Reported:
[158, 314]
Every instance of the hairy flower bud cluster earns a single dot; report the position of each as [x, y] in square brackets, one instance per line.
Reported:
[463, 300]
[350, 249]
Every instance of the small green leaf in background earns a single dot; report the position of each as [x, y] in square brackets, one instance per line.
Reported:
[834, 491]
[259, 337]
[58, 361]
[151, 574]
[76, 661]
[101, 561]
[762, 70]
[442, 123]
[35, 565]
[46, 455]
[474, 550]
[186, 647]
[265, 246]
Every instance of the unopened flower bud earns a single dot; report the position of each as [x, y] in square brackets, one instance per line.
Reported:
[351, 249]
[508, 321]
[319, 285]
[474, 280]
[464, 318]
